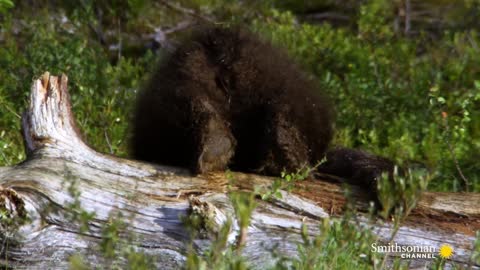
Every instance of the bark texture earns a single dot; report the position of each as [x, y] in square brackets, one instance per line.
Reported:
[154, 199]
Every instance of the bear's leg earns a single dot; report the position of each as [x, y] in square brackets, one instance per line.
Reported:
[357, 167]
[287, 149]
[213, 138]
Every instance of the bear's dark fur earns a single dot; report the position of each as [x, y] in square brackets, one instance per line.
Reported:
[225, 98]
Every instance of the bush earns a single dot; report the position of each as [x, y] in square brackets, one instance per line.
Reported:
[102, 94]
[391, 91]
[410, 99]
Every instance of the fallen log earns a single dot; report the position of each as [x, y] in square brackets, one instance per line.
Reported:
[61, 171]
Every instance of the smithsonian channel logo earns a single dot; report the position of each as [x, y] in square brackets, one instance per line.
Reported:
[445, 251]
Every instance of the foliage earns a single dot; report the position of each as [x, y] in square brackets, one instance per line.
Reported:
[339, 245]
[286, 181]
[391, 91]
[475, 256]
[102, 93]
[384, 87]
[399, 194]
[6, 5]
[411, 97]
[222, 254]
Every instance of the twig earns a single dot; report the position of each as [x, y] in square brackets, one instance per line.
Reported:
[10, 109]
[407, 16]
[180, 26]
[452, 153]
[160, 35]
[241, 240]
[185, 11]
[119, 39]
[108, 142]
[328, 16]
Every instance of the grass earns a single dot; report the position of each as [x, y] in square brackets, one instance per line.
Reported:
[409, 99]
[415, 99]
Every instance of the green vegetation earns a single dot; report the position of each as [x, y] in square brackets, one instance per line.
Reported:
[400, 196]
[221, 254]
[390, 100]
[285, 182]
[405, 89]
[414, 98]
[339, 245]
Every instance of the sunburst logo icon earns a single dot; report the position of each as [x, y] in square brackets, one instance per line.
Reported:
[445, 251]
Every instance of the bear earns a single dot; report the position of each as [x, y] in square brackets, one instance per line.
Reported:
[226, 98]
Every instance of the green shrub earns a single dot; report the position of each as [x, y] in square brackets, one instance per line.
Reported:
[390, 91]
[389, 98]
[102, 94]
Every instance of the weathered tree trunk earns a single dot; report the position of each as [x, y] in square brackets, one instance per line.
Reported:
[154, 199]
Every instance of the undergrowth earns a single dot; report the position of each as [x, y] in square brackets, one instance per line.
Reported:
[414, 99]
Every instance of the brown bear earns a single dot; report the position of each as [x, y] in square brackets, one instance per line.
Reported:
[225, 98]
